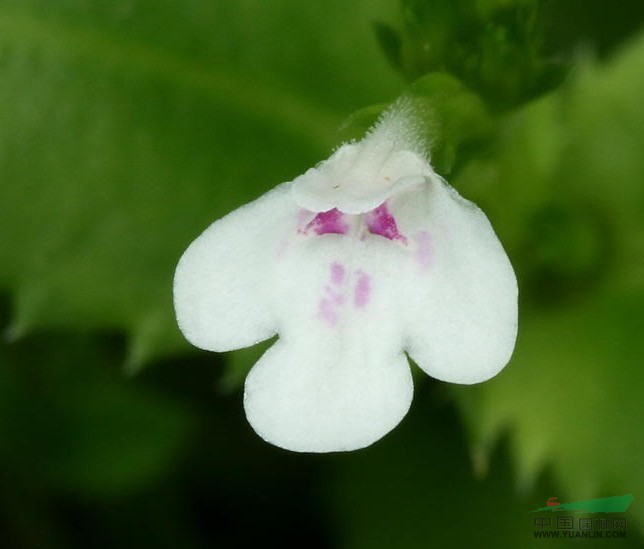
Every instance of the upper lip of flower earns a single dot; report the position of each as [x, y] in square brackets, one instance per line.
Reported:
[359, 177]
[425, 274]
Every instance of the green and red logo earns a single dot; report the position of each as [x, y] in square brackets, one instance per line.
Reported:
[614, 504]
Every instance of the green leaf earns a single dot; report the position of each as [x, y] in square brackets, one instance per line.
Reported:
[390, 43]
[416, 489]
[569, 399]
[456, 119]
[128, 127]
[494, 46]
[563, 189]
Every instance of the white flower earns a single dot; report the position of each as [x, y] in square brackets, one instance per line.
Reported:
[366, 257]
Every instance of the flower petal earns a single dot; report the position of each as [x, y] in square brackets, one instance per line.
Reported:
[318, 396]
[461, 299]
[337, 379]
[219, 285]
[359, 177]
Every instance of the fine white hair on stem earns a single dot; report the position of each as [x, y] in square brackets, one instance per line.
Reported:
[400, 127]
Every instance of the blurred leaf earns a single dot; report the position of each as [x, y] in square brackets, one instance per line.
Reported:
[359, 122]
[455, 117]
[416, 489]
[594, 24]
[494, 46]
[564, 190]
[390, 44]
[570, 400]
[127, 127]
[85, 430]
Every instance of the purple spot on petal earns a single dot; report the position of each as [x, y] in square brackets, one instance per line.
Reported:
[333, 296]
[424, 250]
[326, 312]
[331, 221]
[337, 273]
[363, 290]
[381, 222]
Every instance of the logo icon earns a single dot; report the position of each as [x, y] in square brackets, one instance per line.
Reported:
[553, 502]
[614, 504]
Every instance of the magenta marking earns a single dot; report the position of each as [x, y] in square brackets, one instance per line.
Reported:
[331, 221]
[424, 251]
[337, 273]
[327, 306]
[362, 292]
[326, 311]
[381, 222]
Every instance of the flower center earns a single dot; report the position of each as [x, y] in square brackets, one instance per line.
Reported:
[378, 221]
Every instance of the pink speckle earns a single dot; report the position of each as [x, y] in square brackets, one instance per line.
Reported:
[337, 273]
[424, 250]
[362, 292]
[331, 221]
[326, 311]
[381, 222]
[333, 297]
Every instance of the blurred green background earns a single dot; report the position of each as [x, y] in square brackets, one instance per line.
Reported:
[127, 126]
